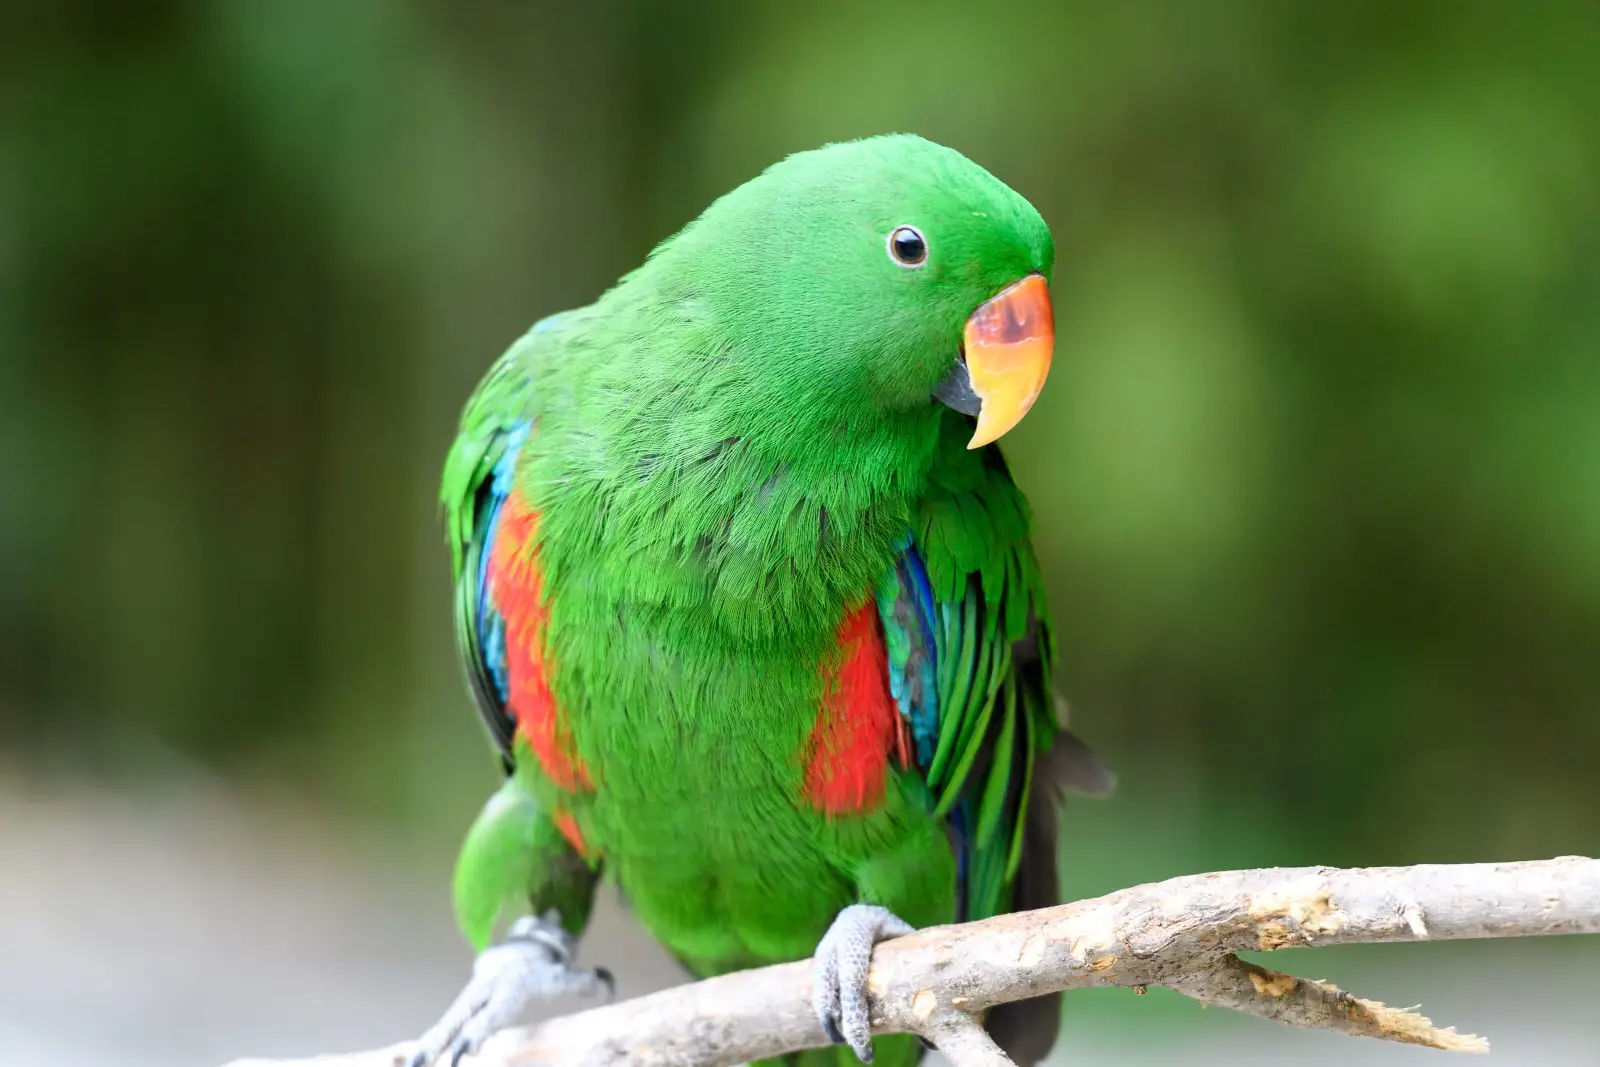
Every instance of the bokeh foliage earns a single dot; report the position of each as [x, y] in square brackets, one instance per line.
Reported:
[1317, 475]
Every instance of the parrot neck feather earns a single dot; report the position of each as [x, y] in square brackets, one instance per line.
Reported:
[671, 481]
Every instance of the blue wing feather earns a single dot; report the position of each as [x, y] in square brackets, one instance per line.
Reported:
[491, 626]
[905, 605]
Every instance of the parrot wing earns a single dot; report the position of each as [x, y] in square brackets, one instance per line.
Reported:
[970, 654]
[478, 480]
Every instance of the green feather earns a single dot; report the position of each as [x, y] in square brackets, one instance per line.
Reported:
[498, 860]
[992, 809]
[1033, 727]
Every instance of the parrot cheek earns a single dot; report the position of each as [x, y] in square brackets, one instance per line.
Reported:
[1008, 342]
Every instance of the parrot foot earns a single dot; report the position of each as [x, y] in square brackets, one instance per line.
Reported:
[533, 962]
[839, 973]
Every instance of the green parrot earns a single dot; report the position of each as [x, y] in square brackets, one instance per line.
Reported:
[745, 597]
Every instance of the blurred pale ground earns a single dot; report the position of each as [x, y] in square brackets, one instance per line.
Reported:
[1317, 474]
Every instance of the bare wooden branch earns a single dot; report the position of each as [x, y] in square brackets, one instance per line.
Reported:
[1183, 933]
[964, 1042]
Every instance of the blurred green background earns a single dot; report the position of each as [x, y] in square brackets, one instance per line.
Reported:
[1316, 477]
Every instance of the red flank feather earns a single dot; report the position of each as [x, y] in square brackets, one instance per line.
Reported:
[859, 726]
[569, 830]
[515, 589]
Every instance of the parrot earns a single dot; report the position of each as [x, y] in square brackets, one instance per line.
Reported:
[745, 597]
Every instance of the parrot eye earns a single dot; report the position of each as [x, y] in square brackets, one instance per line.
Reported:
[907, 247]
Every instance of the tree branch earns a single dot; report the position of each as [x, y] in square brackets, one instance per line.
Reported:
[1183, 933]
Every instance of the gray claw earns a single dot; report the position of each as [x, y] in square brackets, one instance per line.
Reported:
[839, 977]
[533, 962]
[603, 976]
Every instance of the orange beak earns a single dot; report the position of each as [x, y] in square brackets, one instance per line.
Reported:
[1008, 341]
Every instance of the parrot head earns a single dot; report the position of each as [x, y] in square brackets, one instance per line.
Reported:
[886, 275]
